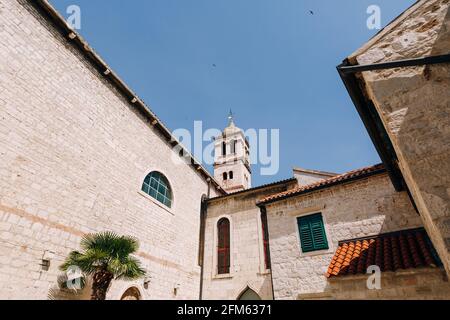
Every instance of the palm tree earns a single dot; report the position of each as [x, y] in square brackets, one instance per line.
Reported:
[106, 256]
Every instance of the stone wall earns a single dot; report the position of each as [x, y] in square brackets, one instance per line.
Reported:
[247, 255]
[73, 156]
[306, 177]
[425, 284]
[369, 206]
[414, 105]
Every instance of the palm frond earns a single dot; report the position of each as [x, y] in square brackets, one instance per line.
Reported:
[127, 269]
[127, 245]
[110, 242]
[102, 240]
[71, 260]
[88, 261]
[107, 251]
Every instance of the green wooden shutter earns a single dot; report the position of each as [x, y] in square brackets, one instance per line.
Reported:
[312, 233]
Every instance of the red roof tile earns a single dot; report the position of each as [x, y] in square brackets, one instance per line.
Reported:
[392, 251]
[288, 182]
[360, 173]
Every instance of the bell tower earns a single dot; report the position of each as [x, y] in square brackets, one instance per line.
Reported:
[232, 158]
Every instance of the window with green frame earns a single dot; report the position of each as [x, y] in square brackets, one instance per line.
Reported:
[312, 233]
[157, 186]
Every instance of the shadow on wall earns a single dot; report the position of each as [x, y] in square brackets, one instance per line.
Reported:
[415, 102]
[266, 289]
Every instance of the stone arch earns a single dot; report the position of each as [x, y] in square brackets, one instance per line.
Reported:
[249, 294]
[132, 293]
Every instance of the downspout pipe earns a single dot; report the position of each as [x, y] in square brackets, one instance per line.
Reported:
[262, 208]
[201, 254]
[413, 62]
[202, 246]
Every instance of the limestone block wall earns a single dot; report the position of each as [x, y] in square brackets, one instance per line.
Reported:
[418, 284]
[73, 155]
[305, 178]
[247, 255]
[365, 207]
[414, 106]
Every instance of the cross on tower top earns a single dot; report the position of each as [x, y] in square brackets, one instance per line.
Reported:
[230, 118]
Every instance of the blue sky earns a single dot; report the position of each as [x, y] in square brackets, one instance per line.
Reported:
[275, 67]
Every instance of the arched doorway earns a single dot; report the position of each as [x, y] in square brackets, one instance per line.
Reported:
[131, 294]
[249, 294]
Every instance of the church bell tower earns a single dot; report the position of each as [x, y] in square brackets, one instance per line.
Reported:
[232, 159]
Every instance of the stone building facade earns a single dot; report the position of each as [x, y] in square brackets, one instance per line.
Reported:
[81, 153]
[248, 269]
[353, 206]
[411, 105]
[74, 152]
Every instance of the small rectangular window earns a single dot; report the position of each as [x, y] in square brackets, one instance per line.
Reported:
[312, 233]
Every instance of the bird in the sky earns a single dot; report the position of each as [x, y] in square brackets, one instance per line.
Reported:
[214, 65]
[311, 12]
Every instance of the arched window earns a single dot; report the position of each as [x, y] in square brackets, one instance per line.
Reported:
[265, 237]
[230, 174]
[223, 246]
[224, 149]
[233, 146]
[157, 186]
[225, 176]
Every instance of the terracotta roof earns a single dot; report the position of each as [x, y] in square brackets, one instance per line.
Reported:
[272, 184]
[349, 176]
[317, 172]
[404, 249]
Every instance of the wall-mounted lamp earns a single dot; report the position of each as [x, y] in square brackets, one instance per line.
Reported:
[176, 289]
[46, 258]
[45, 264]
[147, 281]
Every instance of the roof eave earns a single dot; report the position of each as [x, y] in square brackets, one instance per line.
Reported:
[274, 184]
[374, 126]
[72, 36]
[316, 172]
[321, 187]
